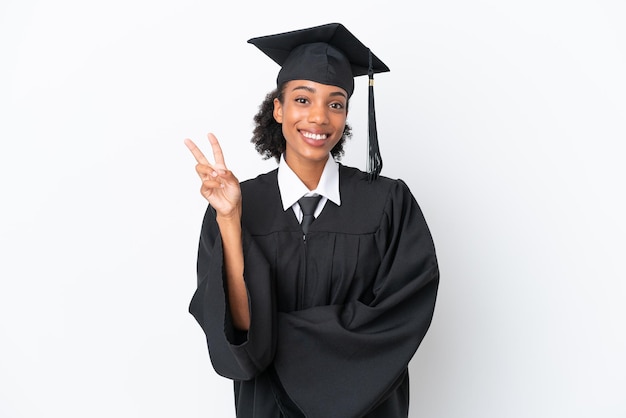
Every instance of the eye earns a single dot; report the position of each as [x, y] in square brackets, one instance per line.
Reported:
[301, 100]
[337, 105]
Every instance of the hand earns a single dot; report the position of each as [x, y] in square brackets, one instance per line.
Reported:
[219, 186]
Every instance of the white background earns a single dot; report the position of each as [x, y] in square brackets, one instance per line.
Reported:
[506, 119]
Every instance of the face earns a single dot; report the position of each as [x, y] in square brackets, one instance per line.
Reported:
[313, 117]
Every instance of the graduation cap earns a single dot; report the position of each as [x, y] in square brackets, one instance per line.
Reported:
[327, 54]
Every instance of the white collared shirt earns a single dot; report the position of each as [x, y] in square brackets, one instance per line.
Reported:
[292, 188]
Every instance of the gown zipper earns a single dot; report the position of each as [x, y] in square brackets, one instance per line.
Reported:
[303, 275]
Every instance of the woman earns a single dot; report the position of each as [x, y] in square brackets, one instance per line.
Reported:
[319, 319]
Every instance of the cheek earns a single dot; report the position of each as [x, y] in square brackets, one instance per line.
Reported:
[340, 122]
[292, 113]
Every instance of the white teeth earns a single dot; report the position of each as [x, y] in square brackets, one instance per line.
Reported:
[314, 136]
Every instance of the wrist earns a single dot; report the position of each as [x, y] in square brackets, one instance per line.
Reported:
[229, 219]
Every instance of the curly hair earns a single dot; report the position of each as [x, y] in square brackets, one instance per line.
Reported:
[267, 135]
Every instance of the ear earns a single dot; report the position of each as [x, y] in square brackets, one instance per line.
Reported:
[278, 111]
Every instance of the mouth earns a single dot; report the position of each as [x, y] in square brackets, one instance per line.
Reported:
[313, 136]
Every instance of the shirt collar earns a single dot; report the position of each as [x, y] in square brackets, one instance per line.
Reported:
[291, 187]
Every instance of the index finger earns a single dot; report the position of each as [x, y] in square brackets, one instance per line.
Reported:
[198, 155]
[218, 156]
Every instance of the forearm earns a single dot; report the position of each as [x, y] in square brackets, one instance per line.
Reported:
[230, 230]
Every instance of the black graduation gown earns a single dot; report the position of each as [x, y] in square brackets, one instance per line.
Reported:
[335, 318]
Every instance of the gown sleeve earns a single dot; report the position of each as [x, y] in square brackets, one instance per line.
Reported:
[234, 354]
[357, 352]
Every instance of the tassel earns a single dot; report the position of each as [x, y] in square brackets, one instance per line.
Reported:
[375, 161]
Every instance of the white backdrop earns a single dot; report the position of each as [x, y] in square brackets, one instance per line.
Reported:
[506, 119]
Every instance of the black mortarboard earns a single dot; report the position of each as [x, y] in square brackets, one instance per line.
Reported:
[327, 54]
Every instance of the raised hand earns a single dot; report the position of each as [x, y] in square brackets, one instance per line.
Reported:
[219, 186]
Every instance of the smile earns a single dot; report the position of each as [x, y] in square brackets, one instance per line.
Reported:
[310, 135]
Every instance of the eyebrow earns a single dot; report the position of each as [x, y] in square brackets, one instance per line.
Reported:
[312, 90]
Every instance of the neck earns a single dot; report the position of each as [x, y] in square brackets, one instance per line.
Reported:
[308, 171]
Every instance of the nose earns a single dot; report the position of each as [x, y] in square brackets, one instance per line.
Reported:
[318, 114]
